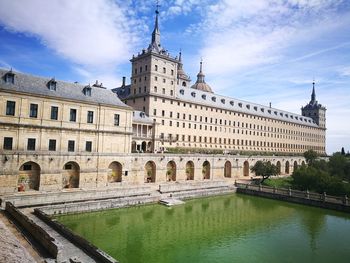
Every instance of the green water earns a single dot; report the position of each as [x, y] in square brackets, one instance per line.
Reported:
[233, 228]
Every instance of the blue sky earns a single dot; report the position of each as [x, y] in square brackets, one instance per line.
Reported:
[259, 50]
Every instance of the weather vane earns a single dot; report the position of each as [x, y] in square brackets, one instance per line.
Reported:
[157, 5]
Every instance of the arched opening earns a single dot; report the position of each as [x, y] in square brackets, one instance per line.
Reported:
[286, 169]
[144, 147]
[295, 165]
[189, 170]
[302, 163]
[171, 171]
[114, 173]
[206, 170]
[29, 176]
[71, 174]
[227, 169]
[278, 167]
[149, 147]
[150, 172]
[246, 168]
[184, 84]
[133, 147]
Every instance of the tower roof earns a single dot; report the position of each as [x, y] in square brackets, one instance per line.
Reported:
[155, 43]
[200, 83]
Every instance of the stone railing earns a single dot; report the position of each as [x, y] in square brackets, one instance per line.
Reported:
[340, 203]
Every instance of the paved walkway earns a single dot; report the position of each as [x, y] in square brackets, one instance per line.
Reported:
[11, 250]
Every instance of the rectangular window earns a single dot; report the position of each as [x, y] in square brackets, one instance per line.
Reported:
[31, 144]
[33, 113]
[73, 115]
[88, 146]
[90, 117]
[10, 108]
[52, 145]
[54, 113]
[116, 119]
[8, 141]
[71, 146]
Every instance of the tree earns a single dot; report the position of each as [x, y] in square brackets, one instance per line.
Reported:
[310, 156]
[264, 169]
[342, 151]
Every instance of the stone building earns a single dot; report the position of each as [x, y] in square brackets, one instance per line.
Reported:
[56, 135]
[194, 117]
[49, 128]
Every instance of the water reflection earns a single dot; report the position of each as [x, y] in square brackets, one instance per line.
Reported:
[221, 229]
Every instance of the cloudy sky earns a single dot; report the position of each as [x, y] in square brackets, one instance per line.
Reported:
[257, 50]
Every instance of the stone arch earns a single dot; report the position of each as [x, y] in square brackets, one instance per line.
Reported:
[206, 170]
[149, 147]
[114, 173]
[71, 175]
[295, 165]
[227, 169]
[286, 168]
[150, 172]
[189, 170]
[303, 163]
[144, 146]
[171, 171]
[133, 147]
[278, 164]
[246, 168]
[29, 176]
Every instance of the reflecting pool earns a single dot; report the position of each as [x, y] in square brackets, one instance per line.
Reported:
[232, 228]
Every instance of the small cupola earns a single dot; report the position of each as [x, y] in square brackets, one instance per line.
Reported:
[52, 84]
[9, 77]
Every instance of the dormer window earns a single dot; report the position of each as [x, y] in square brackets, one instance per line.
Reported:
[193, 94]
[248, 106]
[240, 105]
[87, 91]
[204, 97]
[10, 77]
[262, 109]
[232, 103]
[269, 111]
[213, 99]
[52, 84]
[223, 101]
[281, 114]
[275, 112]
[182, 92]
[255, 108]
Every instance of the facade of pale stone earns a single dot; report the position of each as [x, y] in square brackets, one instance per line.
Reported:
[195, 117]
[56, 135]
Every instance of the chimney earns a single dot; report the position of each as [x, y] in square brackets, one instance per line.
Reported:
[123, 85]
[270, 104]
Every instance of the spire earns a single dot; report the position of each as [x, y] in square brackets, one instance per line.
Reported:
[313, 95]
[156, 33]
[200, 75]
[180, 56]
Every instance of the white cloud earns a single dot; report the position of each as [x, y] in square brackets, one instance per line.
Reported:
[344, 71]
[85, 32]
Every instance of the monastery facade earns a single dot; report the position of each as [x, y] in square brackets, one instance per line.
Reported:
[193, 117]
[57, 135]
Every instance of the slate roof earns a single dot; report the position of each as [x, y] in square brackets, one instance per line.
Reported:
[227, 103]
[64, 90]
[140, 116]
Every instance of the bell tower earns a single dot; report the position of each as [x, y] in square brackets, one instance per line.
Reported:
[315, 110]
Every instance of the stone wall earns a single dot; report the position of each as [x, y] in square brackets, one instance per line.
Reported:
[92, 170]
[296, 199]
[39, 234]
[82, 243]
